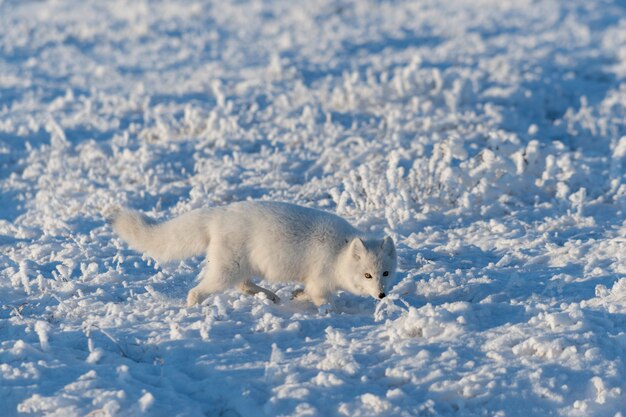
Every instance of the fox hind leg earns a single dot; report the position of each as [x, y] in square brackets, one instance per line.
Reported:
[201, 291]
[215, 278]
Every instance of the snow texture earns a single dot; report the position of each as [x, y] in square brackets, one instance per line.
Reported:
[487, 137]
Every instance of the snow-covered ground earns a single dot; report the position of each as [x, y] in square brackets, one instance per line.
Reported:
[486, 136]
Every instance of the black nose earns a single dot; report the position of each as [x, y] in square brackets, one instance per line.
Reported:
[381, 295]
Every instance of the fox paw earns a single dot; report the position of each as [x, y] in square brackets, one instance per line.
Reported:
[194, 297]
[299, 294]
[325, 309]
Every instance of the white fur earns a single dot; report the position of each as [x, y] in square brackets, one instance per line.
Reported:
[278, 242]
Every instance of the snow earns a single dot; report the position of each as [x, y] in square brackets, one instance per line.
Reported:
[486, 137]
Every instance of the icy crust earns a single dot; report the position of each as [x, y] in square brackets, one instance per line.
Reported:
[486, 137]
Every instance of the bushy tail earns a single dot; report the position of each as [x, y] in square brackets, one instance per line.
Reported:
[179, 238]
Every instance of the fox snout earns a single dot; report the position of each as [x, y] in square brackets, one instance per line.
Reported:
[381, 295]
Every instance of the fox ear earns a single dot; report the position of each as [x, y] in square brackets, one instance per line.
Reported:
[388, 246]
[357, 247]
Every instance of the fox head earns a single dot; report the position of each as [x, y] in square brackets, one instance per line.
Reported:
[368, 266]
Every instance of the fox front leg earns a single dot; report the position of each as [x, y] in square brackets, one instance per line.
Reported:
[313, 292]
[304, 295]
[318, 295]
[300, 294]
[320, 302]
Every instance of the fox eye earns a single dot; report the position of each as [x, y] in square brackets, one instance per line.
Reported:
[368, 275]
[386, 273]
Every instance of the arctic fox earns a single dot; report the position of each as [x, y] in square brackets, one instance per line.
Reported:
[278, 242]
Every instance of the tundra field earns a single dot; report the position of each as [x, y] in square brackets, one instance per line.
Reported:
[487, 137]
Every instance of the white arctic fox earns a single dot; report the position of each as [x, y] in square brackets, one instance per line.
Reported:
[279, 242]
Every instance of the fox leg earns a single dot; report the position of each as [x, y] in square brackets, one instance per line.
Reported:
[311, 293]
[216, 278]
[201, 291]
[318, 298]
[299, 294]
[250, 288]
